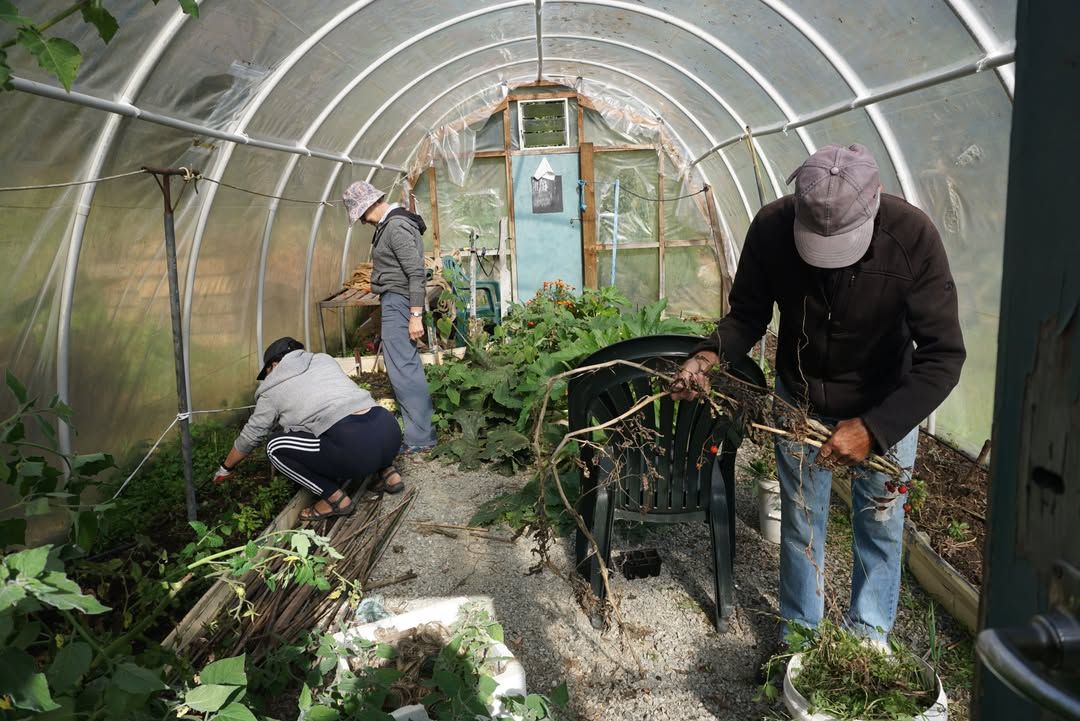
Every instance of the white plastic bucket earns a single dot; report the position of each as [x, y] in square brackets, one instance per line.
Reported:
[768, 502]
[799, 707]
[511, 682]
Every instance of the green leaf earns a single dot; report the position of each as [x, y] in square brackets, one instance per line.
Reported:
[91, 464]
[30, 469]
[46, 429]
[227, 671]
[12, 531]
[137, 680]
[321, 713]
[10, 14]
[84, 532]
[73, 601]
[496, 632]
[211, 697]
[17, 388]
[190, 7]
[560, 695]
[304, 702]
[486, 686]
[454, 395]
[29, 563]
[100, 18]
[5, 72]
[10, 594]
[198, 526]
[28, 689]
[235, 712]
[251, 550]
[54, 55]
[61, 410]
[71, 664]
[385, 650]
[61, 582]
[301, 544]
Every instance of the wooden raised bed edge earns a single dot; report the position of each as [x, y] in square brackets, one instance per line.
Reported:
[936, 575]
[207, 608]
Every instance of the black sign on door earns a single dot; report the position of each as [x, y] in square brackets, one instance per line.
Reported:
[547, 195]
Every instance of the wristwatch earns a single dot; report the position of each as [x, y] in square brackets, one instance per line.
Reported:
[416, 314]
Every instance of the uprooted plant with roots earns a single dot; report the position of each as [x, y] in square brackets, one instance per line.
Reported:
[763, 414]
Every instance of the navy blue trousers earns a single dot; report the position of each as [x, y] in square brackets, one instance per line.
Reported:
[354, 447]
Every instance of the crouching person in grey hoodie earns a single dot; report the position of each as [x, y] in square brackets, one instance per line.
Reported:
[333, 431]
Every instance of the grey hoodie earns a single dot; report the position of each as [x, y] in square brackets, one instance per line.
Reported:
[305, 392]
[397, 256]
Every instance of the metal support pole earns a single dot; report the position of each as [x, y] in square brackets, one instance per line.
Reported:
[163, 176]
[474, 235]
[615, 233]
[761, 204]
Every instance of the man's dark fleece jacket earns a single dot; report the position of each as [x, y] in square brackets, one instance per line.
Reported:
[879, 340]
[397, 256]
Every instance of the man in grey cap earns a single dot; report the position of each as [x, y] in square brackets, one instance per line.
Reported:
[869, 343]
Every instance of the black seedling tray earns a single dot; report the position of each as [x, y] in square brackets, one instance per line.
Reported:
[640, 564]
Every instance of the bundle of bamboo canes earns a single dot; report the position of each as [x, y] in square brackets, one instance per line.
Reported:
[278, 615]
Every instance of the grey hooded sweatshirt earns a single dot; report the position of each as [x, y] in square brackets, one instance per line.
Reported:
[305, 392]
[397, 256]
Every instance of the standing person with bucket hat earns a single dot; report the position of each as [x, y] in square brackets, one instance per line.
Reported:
[333, 431]
[869, 342]
[399, 279]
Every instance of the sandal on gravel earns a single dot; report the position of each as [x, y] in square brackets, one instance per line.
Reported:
[388, 473]
[312, 514]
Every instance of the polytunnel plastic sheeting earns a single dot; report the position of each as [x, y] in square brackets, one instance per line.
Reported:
[476, 205]
[379, 76]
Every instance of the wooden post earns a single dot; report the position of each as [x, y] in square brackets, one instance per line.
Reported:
[580, 122]
[589, 251]
[512, 233]
[718, 246]
[433, 193]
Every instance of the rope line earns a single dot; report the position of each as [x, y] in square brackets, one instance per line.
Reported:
[179, 417]
[626, 190]
[72, 183]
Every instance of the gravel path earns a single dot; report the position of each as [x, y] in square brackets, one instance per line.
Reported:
[687, 672]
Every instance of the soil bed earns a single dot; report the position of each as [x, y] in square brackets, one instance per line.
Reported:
[378, 384]
[954, 514]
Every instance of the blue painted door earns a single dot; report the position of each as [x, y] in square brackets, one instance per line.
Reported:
[547, 222]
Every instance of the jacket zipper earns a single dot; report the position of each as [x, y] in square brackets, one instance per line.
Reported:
[828, 330]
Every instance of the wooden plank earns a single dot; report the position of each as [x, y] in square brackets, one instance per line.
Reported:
[936, 575]
[590, 254]
[512, 239]
[490, 154]
[546, 151]
[580, 124]
[632, 245]
[433, 194]
[207, 608]
[542, 96]
[626, 147]
[718, 246]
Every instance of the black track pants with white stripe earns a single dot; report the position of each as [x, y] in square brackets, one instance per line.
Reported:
[354, 447]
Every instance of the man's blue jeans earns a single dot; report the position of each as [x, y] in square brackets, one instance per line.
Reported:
[876, 544]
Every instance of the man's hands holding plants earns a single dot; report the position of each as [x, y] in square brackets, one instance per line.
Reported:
[692, 380]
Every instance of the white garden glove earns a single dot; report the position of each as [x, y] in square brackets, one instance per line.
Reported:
[221, 474]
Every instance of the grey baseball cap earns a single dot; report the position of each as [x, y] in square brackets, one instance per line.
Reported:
[837, 194]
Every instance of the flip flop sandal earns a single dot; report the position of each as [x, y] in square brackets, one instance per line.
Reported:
[388, 473]
[310, 514]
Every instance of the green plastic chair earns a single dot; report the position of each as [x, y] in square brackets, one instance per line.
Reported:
[688, 483]
[488, 297]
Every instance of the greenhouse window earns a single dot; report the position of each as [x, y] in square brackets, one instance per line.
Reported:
[543, 123]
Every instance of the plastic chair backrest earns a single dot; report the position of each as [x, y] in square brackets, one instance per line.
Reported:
[663, 458]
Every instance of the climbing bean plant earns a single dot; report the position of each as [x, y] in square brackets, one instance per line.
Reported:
[59, 57]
